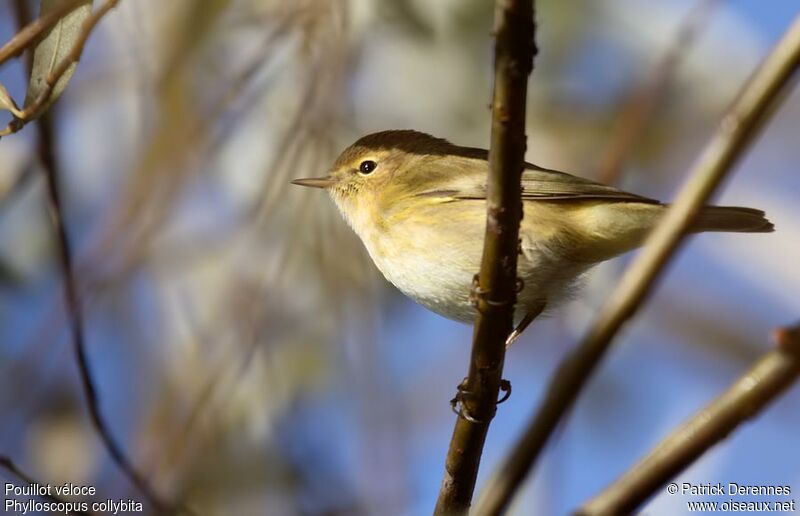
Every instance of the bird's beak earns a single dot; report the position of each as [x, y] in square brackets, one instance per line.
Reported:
[315, 182]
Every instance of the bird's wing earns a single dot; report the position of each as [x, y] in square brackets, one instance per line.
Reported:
[550, 185]
[538, 184]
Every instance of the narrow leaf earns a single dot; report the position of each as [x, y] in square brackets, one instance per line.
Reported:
[53, 48]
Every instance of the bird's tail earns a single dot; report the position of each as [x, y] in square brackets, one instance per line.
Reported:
[611, 229]
[732, 218]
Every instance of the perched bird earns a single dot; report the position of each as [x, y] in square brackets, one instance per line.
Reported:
[419, 205]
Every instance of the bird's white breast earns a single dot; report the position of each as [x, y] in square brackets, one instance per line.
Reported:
[433, 256]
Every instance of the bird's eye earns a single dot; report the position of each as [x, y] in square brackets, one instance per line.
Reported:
[367, 166]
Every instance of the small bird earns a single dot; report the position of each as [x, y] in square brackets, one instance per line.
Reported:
[418, 203]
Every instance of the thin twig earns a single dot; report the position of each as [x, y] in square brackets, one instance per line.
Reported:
[31, 32]
[775, 372]
[7, 463]
[759, 96]
[495, 290]
[643, 101]
[32, 110]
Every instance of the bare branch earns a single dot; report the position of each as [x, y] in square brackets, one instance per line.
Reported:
[775, 372]
[495, 289]
[759, 96]
[34, 30]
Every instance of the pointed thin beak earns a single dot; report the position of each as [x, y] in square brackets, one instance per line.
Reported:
[315, 182]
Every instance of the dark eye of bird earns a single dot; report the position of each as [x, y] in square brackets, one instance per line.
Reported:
[367, 166]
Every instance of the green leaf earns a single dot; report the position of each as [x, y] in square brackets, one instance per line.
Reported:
[53, 48]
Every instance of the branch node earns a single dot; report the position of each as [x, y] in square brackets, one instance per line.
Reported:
[478, 294]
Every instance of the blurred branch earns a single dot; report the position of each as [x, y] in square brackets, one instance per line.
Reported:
[73, 303]
[18, 186]
[47, 146]
[495, 288]
[316, 112]
[34, 108]
[175, 449]
[244, 91]
[759, 96]
[31, 32]
[176, 142]
[775, 372]
[642, 102]
[7, 463]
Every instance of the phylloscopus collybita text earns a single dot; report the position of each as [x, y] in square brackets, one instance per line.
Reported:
[419, 205]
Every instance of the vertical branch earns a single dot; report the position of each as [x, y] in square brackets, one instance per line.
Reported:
[740, 125]
[765, 381]
[494, 293]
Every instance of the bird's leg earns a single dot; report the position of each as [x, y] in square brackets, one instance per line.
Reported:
[524, 323]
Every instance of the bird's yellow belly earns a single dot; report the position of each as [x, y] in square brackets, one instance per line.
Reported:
[437, 272]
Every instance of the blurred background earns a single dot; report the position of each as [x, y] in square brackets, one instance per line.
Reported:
[247, 353]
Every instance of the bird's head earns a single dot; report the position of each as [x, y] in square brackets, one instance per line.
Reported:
[382, 170]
